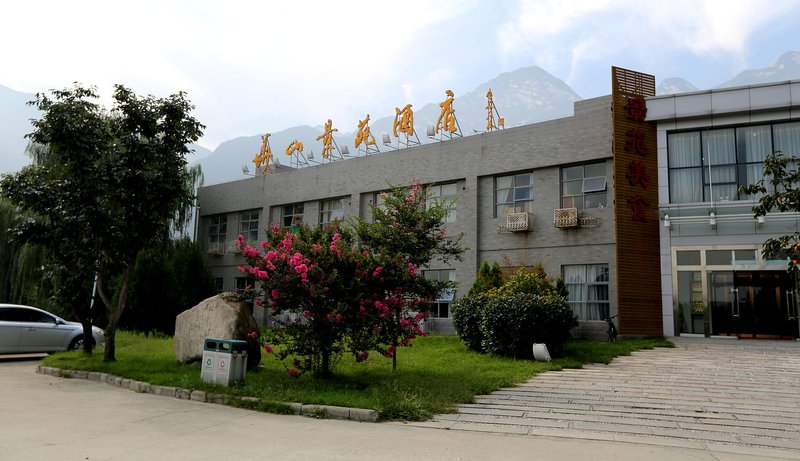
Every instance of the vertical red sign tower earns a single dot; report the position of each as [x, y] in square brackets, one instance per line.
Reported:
[636, 205]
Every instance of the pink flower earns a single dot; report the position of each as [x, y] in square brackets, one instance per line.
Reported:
[252, 334]
[240, 241]
[301, 269]
[339, 318]
[362, 356]
[412, 269]
[307, 314]
[268, 348]
[377, 272]
[292, 372]
[275, 294]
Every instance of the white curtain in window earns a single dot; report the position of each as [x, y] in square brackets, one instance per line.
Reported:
[575, 278]
[787, 138]
[685, 175]
[597, 274]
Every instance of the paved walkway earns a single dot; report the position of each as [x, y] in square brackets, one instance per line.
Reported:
[47, 417]
[723, 395]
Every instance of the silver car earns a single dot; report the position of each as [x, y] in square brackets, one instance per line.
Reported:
[25, 329]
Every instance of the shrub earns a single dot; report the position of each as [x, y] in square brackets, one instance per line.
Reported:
[489, 277]
[527, 309]
[511, 324]
[466, 314]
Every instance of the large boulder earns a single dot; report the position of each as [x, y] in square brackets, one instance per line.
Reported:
[219, 318]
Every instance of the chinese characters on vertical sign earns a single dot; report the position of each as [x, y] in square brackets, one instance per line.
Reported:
[635, 143]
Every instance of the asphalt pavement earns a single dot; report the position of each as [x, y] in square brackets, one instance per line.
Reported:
[46, 417]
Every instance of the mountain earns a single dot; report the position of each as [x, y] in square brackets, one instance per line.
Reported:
[15, 116]
[526, 95]
[675, 85]
[787, 67]
[523, 96]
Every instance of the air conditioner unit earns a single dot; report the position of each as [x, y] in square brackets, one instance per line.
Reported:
[565, 218]
[515, 222]
[216, 248]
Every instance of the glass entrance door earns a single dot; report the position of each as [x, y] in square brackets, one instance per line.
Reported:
[754, 304]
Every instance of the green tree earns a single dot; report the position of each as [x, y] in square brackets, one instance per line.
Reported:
[168, 279]
[489, 277]
[109, 187]
[778, 190]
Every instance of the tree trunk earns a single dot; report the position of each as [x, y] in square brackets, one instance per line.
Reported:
[114, 312]
[88, 337]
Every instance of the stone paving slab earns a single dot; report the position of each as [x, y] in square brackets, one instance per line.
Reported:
[733, 396]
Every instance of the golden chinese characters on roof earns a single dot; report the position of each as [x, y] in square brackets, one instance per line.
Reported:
[491, 112]
[403, 121]
[327, 139]
[262, 158]
[447, 118]
[294, 146]
[363, 136]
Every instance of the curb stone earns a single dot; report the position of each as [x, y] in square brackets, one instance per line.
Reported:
[360, 415]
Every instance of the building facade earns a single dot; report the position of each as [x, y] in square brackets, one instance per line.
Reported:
[714, 278]
[540, 193]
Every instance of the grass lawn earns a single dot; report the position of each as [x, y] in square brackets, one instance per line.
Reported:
[433, 376]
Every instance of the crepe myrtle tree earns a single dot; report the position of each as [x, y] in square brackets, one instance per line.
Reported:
[346, 299]
[108, 187]
[778, 190]
[408, 231]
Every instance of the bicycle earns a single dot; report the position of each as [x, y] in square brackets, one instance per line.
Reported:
[612, 329]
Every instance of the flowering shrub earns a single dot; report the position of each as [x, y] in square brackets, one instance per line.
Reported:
[344, 298]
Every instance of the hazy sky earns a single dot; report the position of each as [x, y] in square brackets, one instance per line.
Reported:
[258, 66]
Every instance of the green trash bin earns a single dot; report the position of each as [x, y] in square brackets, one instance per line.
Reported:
[224, 361]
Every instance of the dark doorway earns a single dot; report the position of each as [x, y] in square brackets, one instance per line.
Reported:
[754, 304]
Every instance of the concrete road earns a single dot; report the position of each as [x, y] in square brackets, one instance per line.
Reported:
[46, 418]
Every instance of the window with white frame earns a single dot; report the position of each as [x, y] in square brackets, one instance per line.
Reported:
[331, 210]
[440, 308]
[513, 194]
[292, 215]
[584, 186]
[588, 290]
[248, 225]
[446, 194]
[217, 228]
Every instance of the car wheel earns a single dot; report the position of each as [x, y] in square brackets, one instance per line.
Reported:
[76, 344]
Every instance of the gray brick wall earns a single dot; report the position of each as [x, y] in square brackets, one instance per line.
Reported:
[472, 162]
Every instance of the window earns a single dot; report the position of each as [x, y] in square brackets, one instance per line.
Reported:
[292, 216]
[513, 194]
[584, 186]
[248, 225]
[242, 283]
[217, 229]
[218, 284]
[708, 165]
[441, 307]
[331, 210]
[588, 290]
[445, 194]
